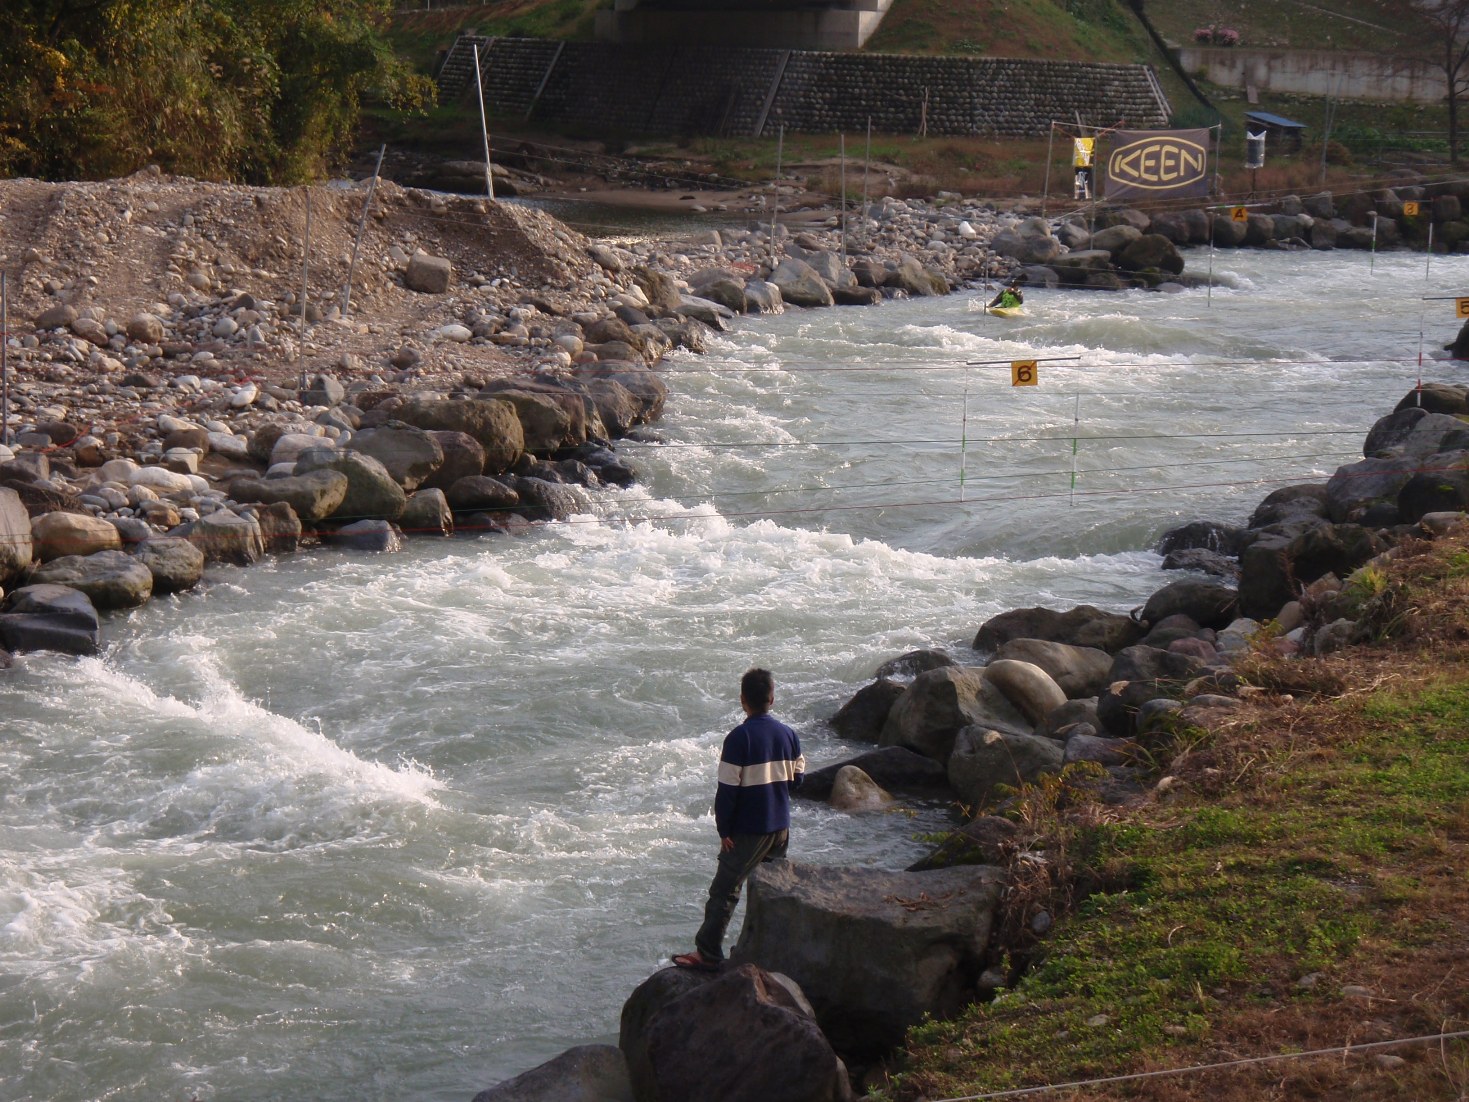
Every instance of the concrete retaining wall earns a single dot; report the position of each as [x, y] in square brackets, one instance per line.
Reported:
[844, 28]
[650, 89]
[1318, 73]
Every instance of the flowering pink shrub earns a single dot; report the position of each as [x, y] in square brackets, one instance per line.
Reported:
[1218, 36]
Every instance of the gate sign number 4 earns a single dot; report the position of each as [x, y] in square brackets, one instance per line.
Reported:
[1024, 373]
[1239, 214]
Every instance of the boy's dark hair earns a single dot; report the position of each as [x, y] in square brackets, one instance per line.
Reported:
[757, 689]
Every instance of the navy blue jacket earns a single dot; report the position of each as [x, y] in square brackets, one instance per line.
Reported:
[760, 764]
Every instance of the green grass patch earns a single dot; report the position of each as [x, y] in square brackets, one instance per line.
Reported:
[1332, 854]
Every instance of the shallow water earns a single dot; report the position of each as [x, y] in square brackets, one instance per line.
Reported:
[347, 827]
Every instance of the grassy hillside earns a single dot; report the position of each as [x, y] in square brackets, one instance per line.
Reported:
[1065, 30]
[1319, 24]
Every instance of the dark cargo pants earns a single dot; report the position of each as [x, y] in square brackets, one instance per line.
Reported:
[735, 867]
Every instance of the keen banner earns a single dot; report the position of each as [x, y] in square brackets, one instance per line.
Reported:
[1157, 164]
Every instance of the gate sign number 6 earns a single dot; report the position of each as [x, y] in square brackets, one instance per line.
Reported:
[1024, 373]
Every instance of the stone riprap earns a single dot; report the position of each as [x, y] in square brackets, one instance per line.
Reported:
[688, 90]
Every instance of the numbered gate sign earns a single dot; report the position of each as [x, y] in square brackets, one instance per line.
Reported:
[1461, 307]
[1410, 208]
[1239, 214]
[1024, 373]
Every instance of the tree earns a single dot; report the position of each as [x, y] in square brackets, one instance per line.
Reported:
[265, 91]
[1449, 21]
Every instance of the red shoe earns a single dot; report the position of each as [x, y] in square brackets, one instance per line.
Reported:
[696, 962]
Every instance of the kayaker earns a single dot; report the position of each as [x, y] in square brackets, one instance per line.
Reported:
[1009, 298]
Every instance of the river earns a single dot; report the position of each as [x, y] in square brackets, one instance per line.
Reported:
[348, 827]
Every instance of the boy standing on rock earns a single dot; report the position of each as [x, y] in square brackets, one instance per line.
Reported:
[759, 765]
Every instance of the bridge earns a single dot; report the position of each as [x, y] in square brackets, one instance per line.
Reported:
[782, 24]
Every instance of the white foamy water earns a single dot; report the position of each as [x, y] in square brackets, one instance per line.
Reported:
[349, 827]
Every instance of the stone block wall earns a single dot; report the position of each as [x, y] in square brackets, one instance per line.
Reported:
[649, 89]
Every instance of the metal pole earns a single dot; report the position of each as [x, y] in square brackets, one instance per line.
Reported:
[1046, 187]
[843, 146]
[780, 143]
[305, 275]
[1372, 261]
[1427, 260]
[4, 360]
[1209, 294]
[866, 166]
[361, 226]
[484, 126]
[1075, 432]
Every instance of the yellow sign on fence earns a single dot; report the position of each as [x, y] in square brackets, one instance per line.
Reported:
[1024, 373]
[1461, 307]
[1239, 214]
[1410, 208]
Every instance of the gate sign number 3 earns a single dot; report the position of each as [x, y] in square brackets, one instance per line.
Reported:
[1024, 373]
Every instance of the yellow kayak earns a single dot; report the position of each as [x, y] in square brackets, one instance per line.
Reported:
[1006, 311]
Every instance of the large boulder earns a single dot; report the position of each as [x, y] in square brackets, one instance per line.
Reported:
[911, 277]
[491, 422]
[409, 454]
[1078, 671]
[110, 579]
[311, 496]
[800, 285]
[1082, 626]
[896, 769]
[543, 500]
[280, 528]
[49, 617]
[940, 703]
[53, 535]
[428, 275]
[463, 457]
[853, 790]
[659, 288]
[1150, 251]
[1288, 504]
[1115, 239]
[587, 1073]
[547, 422]
[768, 1045]
[372, 493]
[1208, 604]
[479, 493]
[861, 719]
[875, 951]
[1354, 490]
[174, 563]
[1032, 691]
[376, 536]
[984, 758]
[227, 537]
[16, 542]
[1415, 431]
[427, 514]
